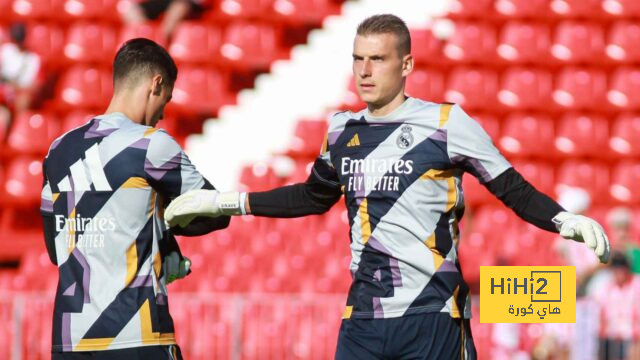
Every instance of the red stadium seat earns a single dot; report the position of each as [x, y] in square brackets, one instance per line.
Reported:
[625, 133]
[425, 48]
[246, 8]
[591, 176]
[539, 174]
[526, 135]
[624, 185]
[46, 41]
[472, 87]
[304, 11]
[576, 8]
[525, 88]
[85, 87]
[490, 124]
[522, 8]
[578, 42]
[90, 42]
[582, 135]
[146, 30]
[195, 42]
[475, 194]
[33, 132]
[91, 9]
[258, 177]
[426, 84]
[76, 119]
[471, 8]
[199, 92]
[471, 42]
[36, 9]
[622, 42]
[307, 138]
[580, 88]
[250, 45]
[621, 8]
[624, 88]
[522, 42]
[23, 181]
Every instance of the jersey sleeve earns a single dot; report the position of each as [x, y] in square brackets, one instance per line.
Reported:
[168, 168]
[46, 196]
[323, 170]
[471, 148]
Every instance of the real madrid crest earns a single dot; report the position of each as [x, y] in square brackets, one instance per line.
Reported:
[405, 139]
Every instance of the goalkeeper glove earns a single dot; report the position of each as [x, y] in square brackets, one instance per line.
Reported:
[583, 229]
[175, 267]
[183, 209]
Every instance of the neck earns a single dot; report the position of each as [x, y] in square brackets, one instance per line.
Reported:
[130, 103]
[388, 107]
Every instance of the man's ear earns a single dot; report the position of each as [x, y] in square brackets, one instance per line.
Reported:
[407, 64]
[156, 85]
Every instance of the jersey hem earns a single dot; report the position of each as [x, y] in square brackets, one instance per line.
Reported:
[116, 346]
[411, 311]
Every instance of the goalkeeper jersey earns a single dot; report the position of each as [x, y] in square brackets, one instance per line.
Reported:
[105, 184]
[401, 176]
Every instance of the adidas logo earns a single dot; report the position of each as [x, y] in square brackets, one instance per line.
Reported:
[86, 172]
[355, 141]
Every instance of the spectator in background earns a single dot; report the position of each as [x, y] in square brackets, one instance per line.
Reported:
[619, 221]
[619, 316]
[19, 70]
[174, 12]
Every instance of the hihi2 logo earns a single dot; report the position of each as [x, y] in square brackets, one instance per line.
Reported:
[527, 294]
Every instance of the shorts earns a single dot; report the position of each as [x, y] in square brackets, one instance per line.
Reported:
[612, 349]
[160, 352]
[419, 336]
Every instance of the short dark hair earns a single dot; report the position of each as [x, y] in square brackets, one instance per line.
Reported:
[138, 57]
[387, 24]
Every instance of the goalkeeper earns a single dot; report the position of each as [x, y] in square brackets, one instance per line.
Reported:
[399, 164]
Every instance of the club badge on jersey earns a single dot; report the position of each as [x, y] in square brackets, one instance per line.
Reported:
[405, 139]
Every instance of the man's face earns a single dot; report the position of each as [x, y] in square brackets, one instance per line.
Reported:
[157, 103]
[378, 68]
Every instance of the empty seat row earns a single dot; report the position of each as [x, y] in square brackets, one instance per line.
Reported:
[544, 9]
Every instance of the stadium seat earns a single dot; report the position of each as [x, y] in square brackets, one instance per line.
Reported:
[582, 135]
[76, 119]
[471, 42]
[472, 87]
[625, 133]
[522, 8]
[32, 132]
[621, 8]
[90, 42]
[23, 181]
[258, 177]
[576, 8]
[625, 178]
[580, 88]
[196, 42]
[539, 173]
[590, 176]
[426, 48]
[304, 11]
[525, 88]
[475, 194]
[91, 9]
[622, 42]
[578, 42]
[466, 9]
[307, 139]
[525, 135]
[425, 84]
[624, 88]
[246, 8]
[47, 41]
[199, 92]
[250, 45]
[85, 87]
[146, 30]
[524, 42]
[36, 9]
[490, 124]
